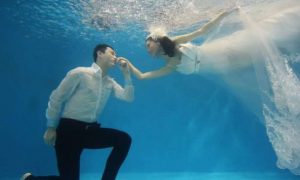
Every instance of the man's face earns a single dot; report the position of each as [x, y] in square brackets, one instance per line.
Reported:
[108, 57]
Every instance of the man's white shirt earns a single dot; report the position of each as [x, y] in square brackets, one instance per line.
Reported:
[82, 95]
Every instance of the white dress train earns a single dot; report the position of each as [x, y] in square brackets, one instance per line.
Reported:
[253, 62]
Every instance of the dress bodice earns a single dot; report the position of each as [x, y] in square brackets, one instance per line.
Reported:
[190, 62]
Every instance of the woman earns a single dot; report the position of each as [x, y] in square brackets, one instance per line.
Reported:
[259, 46]
[171, 49]
[222, 55]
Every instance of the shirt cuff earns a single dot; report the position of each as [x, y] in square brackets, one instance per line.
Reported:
[52, 123]
[128, 82]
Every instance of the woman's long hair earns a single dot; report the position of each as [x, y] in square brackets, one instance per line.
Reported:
[167, 44]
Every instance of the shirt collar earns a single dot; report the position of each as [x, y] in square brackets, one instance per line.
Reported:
[97, 69]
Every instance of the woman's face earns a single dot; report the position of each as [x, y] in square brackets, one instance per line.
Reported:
[152, 47]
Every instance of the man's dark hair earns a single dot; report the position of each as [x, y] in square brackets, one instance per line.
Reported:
[100, 47]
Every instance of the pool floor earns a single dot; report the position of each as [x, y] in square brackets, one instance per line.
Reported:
[193, 176]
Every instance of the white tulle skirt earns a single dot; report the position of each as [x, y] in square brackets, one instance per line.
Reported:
[255, 63]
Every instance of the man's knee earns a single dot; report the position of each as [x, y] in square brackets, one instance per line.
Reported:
[125, 139]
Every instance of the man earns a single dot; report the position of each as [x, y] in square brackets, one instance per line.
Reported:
[72, 112]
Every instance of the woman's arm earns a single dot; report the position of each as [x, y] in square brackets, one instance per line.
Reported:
[189, 37]
[169, 68]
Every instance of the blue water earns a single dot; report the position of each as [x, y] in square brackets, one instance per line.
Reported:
[183, 127]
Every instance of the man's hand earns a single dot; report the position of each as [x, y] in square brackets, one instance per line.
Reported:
[123, 63]
[50, 136]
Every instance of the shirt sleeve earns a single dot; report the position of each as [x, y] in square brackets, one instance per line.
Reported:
[59, 96]
[126, 93]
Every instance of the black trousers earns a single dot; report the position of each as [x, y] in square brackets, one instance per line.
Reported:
[73, 136]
